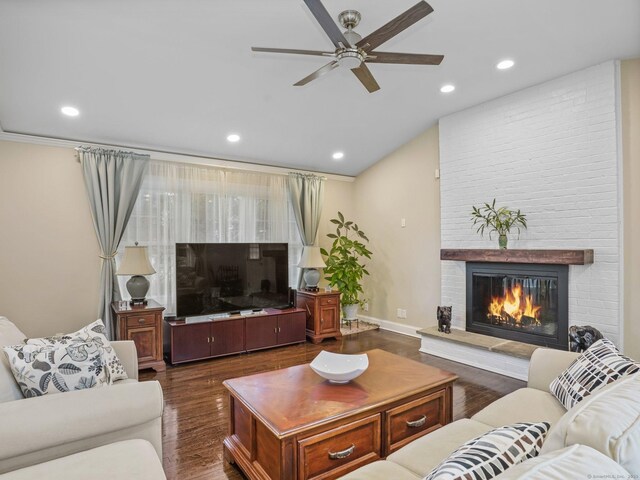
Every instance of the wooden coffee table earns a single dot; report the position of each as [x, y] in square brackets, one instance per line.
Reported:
[293, 424]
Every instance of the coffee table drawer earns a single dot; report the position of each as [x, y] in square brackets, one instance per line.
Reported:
[414, 419]
[335, 452]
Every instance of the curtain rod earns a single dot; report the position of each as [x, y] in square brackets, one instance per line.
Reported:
[308, 175]
[84, 148]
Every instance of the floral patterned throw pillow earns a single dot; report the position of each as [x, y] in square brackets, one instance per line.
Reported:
[44, 370]
[94, 332]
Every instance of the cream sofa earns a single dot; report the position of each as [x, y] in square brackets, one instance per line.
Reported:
[531, 404]
[120, 424]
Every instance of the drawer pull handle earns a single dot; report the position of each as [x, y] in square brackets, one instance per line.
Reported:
[342, 453]
[417, 423]
[141, 320]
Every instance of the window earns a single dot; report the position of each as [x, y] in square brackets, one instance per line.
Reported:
[192, 203]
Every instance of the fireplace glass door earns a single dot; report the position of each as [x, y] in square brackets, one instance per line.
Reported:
[520, 302]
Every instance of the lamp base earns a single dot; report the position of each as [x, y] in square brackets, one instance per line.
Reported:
[311, 289]
[138, 286]
[133, 303]
[311, 278]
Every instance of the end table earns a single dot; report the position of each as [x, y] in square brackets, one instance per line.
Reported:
[143, 325]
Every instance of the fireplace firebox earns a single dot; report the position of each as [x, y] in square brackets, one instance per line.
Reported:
[523, 302]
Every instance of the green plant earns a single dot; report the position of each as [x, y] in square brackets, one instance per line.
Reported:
[344, 268]
[500, 220]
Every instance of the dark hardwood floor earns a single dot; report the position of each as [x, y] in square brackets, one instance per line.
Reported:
[196, 403]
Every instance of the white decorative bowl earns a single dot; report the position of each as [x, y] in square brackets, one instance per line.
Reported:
[339, 368]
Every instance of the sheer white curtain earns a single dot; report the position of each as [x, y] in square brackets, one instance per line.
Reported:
[192, 203]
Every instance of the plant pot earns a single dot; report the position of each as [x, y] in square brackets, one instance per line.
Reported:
[502, 242]
[350, 311]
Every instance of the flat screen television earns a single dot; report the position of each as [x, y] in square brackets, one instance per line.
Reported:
[213, 278]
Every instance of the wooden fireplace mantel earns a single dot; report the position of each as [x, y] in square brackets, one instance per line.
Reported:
[555, 257]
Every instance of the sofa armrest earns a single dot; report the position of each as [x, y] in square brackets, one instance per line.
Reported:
[546, 364]
[35, 424]
[126, 352]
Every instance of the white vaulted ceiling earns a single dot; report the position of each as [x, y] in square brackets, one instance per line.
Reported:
[180, 76]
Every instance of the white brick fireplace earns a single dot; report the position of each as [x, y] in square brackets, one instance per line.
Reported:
[552, 151]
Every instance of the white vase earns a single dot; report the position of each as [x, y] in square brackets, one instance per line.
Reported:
[350, 311]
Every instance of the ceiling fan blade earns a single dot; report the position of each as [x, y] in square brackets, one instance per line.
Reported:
[405, 58]
[289, 50]
[318, 73]
[364, 75]
[326, 22]
[395, 26]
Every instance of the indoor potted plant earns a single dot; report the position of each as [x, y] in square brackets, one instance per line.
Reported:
[500, 220]
[345, 269]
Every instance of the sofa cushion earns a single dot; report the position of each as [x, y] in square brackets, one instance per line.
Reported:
[577, 461]
[492, 453]
[522, 405]
[598, 366]
[381, 470]
[424, 453]
[94, 332]
[42, 370]
[126, 460]
[9, 335]
[608, 421]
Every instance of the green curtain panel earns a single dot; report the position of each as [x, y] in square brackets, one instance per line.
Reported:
[112, 179]
[306, 193]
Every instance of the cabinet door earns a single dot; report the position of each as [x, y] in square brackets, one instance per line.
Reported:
[261, 332]
[309, 305]
[291, 328]
[328, 319]
[190, 342]
[146, 342]
[227, 337]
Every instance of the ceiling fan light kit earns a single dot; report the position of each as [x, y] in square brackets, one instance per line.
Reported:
[353, 52]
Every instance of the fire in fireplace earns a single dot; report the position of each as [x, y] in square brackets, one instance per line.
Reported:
[523, 302]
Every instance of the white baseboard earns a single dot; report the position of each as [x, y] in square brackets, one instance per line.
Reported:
[402, 328]
[496, 362]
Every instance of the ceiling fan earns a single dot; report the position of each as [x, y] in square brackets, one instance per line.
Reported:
[353, 52]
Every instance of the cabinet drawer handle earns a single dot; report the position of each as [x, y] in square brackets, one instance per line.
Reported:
[208, 340]
[141, 320]
[417, 423]
[213, 339]
[342, 453]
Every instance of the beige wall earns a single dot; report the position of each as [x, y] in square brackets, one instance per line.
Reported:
[630, 98]
[405, 270]
[49, 265]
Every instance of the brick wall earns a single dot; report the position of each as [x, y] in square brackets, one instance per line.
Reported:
[552, 151]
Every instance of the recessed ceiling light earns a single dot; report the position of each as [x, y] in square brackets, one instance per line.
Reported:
[505, 64]
[447, 88]
[338, 155]
[234, 137]
[70, 111]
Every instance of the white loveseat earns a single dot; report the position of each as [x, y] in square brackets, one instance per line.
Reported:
[571, 448]
[119, 424]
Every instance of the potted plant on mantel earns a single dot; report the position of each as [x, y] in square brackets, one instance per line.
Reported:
[500, 220]
[345, 269]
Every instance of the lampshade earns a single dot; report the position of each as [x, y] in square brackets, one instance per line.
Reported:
[135, 262]
[311, 258]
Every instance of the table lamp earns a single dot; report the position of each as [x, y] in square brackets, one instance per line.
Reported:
[311, 260]
[136, 263]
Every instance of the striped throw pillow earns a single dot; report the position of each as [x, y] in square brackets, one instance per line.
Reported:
[597, 367]
[489, 455]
